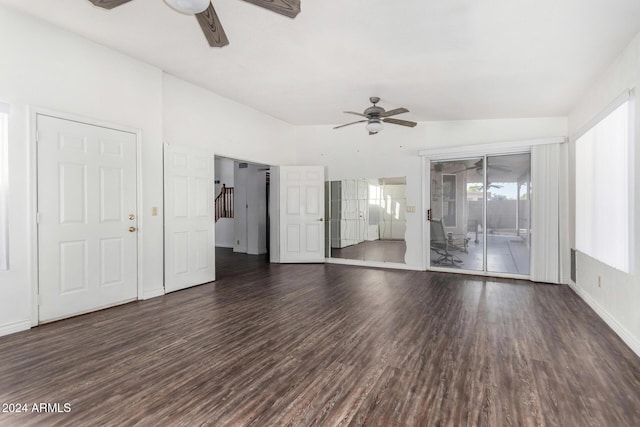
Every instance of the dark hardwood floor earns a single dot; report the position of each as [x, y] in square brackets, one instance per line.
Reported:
[329, 345]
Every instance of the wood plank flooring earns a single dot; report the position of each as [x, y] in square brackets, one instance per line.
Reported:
[329, 345]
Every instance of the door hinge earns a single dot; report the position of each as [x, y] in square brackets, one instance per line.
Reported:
[37, 136]
[429, 215]
[39, 299]
[37, 217]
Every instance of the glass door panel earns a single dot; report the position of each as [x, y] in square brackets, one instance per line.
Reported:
[508, 213]
[457, 198]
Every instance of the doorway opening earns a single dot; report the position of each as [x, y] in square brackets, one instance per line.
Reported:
[242, 216]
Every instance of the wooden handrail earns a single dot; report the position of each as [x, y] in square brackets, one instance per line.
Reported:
[224, 203]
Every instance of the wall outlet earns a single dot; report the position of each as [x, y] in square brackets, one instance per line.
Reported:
[154, 211]
[238, 242]
[411, 209]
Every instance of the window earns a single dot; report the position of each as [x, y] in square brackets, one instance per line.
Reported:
[604, 188]
[4, 187]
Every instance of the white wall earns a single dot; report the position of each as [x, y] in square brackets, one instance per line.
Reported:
[350, 153]
[196, 117]
[224, 226]
[41, 65]
[617, 299]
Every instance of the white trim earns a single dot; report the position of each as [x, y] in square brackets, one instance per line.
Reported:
[505, 147]
[374, 264]
[610, 320]
[5, 108]
[12, 328]
[618, 101]
[153, 294]
[33, 113]
[631, 215]
[426, 197]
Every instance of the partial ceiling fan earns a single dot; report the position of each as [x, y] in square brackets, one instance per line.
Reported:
[374, 116]
[207, 17]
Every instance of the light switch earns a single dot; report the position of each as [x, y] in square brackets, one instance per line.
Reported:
[411, 209]
[154, 211]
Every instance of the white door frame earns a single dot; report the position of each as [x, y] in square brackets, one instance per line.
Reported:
[33, 112]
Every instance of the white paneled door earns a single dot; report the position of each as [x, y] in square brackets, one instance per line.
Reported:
[189, 225]
[302, 214]
[87, 218]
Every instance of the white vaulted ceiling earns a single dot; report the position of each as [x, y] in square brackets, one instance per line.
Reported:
[444, 60]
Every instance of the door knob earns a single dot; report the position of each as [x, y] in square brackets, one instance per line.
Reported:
[132, 229]
[321, 219]
[132, 217]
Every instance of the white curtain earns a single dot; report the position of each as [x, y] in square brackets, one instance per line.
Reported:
[548, 227]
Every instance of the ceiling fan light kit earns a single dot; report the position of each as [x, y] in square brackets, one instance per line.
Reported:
[374, 116]
[374, 125]
[188, 7]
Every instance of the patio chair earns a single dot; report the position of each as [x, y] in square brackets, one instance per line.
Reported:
[446, 245]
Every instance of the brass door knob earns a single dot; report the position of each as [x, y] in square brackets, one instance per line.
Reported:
[132, 217]
[132, 229]
[321, 219]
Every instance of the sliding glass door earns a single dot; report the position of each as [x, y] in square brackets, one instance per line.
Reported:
[457, 214]
[480, 214]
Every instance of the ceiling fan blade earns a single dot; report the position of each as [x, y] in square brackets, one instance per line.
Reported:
[357, 114]
[400, 122]
[212, 28]
[500, 168]
[349, 124]
[394, 112]
[108, 4]
[290, 8]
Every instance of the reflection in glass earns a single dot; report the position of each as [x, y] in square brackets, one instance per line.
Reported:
[508, 213]
[367, 219]
[456, 209]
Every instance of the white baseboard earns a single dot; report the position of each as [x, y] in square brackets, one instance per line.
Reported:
[12, 328]
[153, 294]
[613, 323]
[224, 245]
